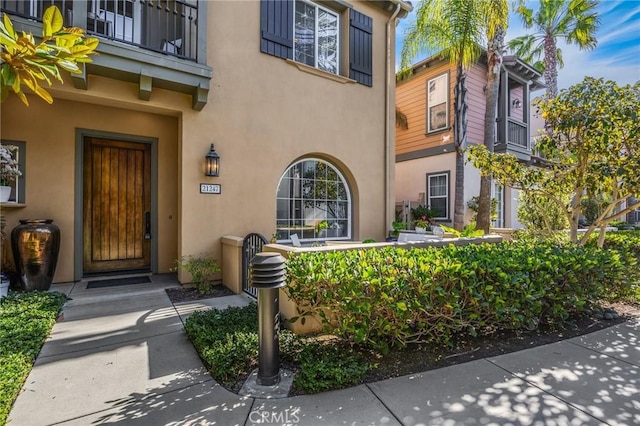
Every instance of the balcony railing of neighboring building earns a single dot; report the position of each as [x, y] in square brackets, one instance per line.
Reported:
[166, 26]
[518, 133]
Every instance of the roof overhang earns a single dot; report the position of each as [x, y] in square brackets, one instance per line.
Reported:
[517, 66]
[390, 5]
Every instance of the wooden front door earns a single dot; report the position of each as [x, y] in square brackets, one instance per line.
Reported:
[117, 205]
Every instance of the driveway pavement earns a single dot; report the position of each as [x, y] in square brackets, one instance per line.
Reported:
[120, 355]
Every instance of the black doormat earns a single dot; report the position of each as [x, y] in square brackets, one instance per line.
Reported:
[118, 281]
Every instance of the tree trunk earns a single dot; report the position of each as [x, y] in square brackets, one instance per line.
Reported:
[460, 141]
[494, 62]
[551, 66]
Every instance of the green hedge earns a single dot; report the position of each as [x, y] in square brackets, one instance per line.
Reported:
[393, 296]
[25, 322]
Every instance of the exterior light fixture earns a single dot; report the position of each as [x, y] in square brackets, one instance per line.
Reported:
[516, 103]
[212, 163]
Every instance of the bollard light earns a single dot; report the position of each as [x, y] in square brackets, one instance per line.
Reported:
[268, 273]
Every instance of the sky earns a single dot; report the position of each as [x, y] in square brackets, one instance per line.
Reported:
[616, 57]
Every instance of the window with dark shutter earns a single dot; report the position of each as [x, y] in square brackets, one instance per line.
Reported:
[360, 48]
[276, 28]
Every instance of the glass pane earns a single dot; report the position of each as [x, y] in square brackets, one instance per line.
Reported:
[305, 202]
[440, 205]
[438, 117]
[284, 188]
[305, 24]
[438, 90]
[327, 41]
[438, 186]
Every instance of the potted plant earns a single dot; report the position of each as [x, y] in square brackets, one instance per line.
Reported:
[397, 227]
[423, 218]
[9, 170]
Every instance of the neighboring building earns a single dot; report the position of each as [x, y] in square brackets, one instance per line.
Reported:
[297, 97]
[425, 151]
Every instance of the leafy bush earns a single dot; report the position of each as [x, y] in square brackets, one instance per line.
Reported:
[473, 206]
[539, 213]
[227, 342]
[203, 270]
[395, 296]
[25, 322]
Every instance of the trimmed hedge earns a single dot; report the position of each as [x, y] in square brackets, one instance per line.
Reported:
[393, 296]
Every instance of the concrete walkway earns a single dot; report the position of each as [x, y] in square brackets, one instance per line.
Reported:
[120, 355]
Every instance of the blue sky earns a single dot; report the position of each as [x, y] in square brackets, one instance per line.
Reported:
[617, 56]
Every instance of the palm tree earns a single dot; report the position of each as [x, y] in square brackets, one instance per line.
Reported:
[574, 21]
[456, 29]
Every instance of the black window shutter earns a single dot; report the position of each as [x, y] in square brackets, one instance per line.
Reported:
[276, 28]
[360, 48]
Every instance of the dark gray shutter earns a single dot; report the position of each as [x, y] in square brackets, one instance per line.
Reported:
[360, 48]
[276, 28]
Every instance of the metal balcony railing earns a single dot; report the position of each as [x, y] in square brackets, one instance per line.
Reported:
[517, 133]
[167, 26]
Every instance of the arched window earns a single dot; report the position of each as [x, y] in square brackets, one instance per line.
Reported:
[313, 202]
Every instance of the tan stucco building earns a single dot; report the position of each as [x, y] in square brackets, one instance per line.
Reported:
[119, 158]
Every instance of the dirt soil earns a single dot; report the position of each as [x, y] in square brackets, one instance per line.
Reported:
[189, 294]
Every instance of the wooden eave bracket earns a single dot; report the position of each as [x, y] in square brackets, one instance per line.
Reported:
[200, 96]
[145, 87]
[80, 79]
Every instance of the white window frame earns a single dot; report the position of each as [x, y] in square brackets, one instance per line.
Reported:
[315, 40]
[441, 79]
[446, 197]
[498, 192]
[308, 222]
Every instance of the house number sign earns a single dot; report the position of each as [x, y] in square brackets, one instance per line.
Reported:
[209, 188]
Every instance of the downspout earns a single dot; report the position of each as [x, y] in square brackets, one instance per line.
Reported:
[387, 125]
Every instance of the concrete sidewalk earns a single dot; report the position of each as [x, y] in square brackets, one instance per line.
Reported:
[120, 355]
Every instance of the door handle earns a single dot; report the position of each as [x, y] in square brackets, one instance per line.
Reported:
[147, 225]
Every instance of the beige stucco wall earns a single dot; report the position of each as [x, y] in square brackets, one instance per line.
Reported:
[262, 114]
[49, 132]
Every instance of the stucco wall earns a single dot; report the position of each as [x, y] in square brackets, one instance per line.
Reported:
[262, 114]
[50, 135]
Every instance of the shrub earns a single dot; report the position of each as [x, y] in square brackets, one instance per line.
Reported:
[203, 270]
[395, 296]
[227, 342]
[25, 322]
[539, 213]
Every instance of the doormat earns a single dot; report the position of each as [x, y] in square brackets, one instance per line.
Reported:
[118, 281]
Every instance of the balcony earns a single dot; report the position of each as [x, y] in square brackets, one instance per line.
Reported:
[155, 43]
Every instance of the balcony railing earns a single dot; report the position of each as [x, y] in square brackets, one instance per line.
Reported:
[517, 133]
[166, 26]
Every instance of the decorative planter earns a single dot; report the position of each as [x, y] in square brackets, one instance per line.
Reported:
[35, 244]
[420, 230]
[5, 193]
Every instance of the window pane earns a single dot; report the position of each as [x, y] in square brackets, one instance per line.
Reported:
[438, 117]
[303, 203]
[438, 186]
[438, 90]
[327, 41]
[440, 205]
[305, 24]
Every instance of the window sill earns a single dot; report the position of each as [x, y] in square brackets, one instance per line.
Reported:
[11, 205]
[435, 132]
[320, 73]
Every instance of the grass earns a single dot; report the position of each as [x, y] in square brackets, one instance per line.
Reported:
[26, 319]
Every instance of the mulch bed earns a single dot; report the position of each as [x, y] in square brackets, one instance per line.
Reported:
[189, 294]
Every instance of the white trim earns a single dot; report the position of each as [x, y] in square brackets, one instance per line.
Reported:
[444, 76]
[302, 219]
[315, 35]
[446, 197]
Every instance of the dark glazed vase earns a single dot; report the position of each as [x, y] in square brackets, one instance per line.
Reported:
[35, 244]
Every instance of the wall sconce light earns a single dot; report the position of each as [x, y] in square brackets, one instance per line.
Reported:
[516, 103]
[212, 163]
